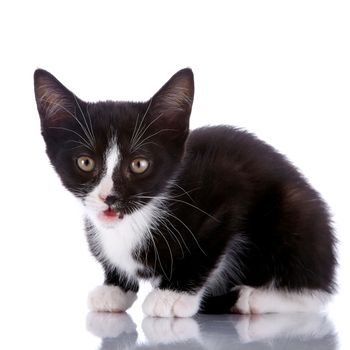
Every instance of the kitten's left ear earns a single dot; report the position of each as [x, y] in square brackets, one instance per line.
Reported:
[54, 101]
[174, 101]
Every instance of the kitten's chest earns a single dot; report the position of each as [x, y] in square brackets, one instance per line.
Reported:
[118, 246]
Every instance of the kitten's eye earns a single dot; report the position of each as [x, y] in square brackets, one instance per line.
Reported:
[139, 165]
[86, 163]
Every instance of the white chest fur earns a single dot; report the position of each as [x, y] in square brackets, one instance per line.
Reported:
[119, 241]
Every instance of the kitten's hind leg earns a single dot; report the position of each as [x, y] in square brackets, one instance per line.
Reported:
[267, 300]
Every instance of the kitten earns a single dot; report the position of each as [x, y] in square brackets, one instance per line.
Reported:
[216, 219]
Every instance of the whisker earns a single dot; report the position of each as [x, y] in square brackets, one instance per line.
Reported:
[181, 201]
[86, 143]
[155, 249]
[142, 143]
[188, 229]
[135, 126]
[90, 122]
[140, 125]
[74, 117]
[170, 251]
[86, 130]
[173, 235]
[79, 143]
[185, 192]
[147, 127]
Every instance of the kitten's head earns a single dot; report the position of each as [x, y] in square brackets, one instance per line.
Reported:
[115, 156]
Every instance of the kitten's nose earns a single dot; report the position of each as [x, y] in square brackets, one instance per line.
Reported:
[111, 199]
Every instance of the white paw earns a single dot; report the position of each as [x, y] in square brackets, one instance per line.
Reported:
[261, 301]
[166, 303]
[110, 299]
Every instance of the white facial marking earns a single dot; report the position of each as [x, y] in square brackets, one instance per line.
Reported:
[263, 300]
[167, 303]
[110, 299]
[94, 201]
[112, 159]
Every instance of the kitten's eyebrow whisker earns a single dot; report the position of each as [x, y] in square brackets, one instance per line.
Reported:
[135, 126]
[90, 122]
[140, 125]
[86, 130]
[79, 143]
[88, 141]
[139, 137]
[142, 143]
[146, 143]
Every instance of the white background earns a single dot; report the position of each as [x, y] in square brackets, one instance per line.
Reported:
[277, 68]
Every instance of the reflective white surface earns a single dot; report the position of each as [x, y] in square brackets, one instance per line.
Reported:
[298, 331]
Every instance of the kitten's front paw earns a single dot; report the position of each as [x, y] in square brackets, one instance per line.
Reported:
[167, 303]
[110, 299]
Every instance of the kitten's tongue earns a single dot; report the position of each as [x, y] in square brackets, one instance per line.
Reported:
[112, 214]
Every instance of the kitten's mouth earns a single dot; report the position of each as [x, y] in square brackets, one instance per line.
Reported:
[112, 214]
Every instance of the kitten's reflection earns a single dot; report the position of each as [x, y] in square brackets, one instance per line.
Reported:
[273, 331]
[171, 330]
[117, 330]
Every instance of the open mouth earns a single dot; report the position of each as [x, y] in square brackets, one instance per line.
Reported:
[111, 214]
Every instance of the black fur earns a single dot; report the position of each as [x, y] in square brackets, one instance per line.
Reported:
[233, 194]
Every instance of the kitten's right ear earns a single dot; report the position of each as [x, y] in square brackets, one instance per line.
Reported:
[54, 101]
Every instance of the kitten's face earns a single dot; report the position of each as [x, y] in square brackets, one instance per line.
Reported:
[115, 156]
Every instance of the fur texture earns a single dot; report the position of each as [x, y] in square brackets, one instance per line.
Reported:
[216, 215]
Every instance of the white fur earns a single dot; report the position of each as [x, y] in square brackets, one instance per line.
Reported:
[112, 159]
[167, 303]
[110, 299]
[119, 238]
[269, 300]
[94, 201]
[118, 242]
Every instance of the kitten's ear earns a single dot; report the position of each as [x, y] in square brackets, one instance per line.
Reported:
[54, 101]
[174, 100]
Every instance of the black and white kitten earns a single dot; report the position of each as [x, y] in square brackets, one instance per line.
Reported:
[215, 218]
